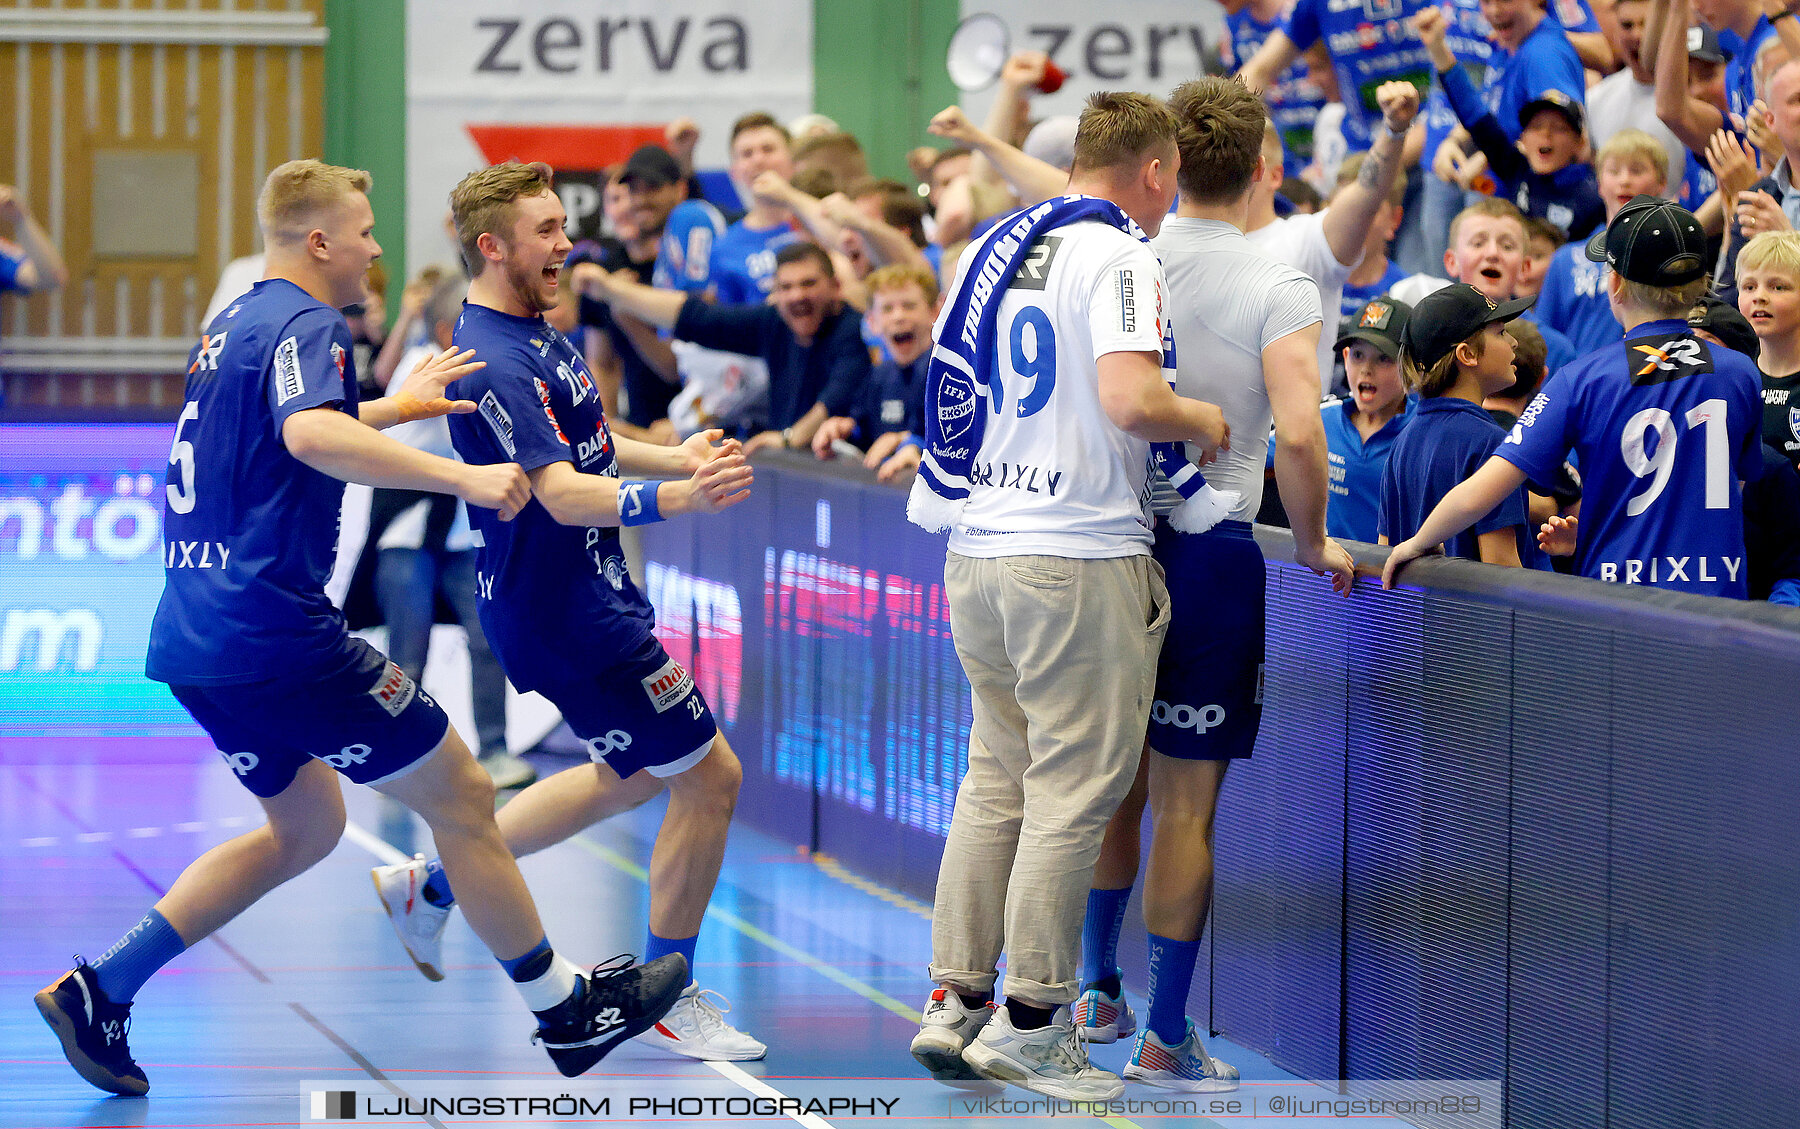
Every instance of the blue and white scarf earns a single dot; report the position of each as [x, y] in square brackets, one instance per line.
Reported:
[956, 381]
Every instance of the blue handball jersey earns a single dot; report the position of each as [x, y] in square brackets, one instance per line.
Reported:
[743, 261]
[1663, 425]
[684, 255]
[249, 531]
[555, 600]
[1370, 42]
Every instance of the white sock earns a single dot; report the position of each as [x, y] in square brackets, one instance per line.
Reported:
[553, 987]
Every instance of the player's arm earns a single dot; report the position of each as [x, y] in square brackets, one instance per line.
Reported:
[574, 498]
[422, 395]
[1468, 503]
[1139, 402]
[679, 461]
[1291, 373]
[1347, 220]
[333, 443]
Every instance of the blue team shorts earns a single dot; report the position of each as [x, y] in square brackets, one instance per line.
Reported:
[642, 713]
[369, 720]
[1209, 678]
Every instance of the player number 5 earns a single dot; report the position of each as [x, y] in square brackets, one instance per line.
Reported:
[181, 457]
[1661, 463]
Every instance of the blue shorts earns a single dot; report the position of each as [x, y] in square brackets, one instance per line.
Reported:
[1209, 678]
[370, 721]
[642, 713]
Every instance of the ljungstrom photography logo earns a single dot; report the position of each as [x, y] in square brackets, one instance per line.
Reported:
[334, 1105]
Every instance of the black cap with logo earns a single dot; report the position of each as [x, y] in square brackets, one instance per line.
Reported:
[1703, 44]
[1653, 242]
[652, 166]
[1380, 322]
[1445, 318]
[1557, 100]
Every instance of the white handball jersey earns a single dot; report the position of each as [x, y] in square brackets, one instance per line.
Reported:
[1054, 475]
[1228, 302]
[1299, 241]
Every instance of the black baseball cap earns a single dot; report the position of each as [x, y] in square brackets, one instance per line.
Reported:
[1445, 318]
[1722, 320]
[1703, 44]
[1653, 242]
[1380, 322]
[1559, 101]
[651, 165]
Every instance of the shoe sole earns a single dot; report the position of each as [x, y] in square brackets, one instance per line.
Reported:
[430, 972]
[1173, 1082]
[990, 1064]
[581, 1063]
[64, 1025]
[651, 1037]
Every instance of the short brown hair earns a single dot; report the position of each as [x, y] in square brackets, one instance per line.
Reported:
[483, 202]
[901, 207]
[759, 120]
[804, 251]
[896, 275]
[296, 193]
[1488, 206]
[1539, 230]
[1531, 356]
[1437, 380]
[1352, 168]
[1220, 138]
[1119, 128]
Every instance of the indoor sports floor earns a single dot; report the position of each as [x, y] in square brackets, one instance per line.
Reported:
[310, 991]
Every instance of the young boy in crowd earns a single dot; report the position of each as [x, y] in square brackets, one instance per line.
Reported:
[903, 303]
[1457, 352]
[1360, 430]
[1573, 299]
[1543, 172]
[1542, 238]
[1769, 295]
[1665, 425]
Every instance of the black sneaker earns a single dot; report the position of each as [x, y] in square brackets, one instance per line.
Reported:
[620, 999]
[92, 1029]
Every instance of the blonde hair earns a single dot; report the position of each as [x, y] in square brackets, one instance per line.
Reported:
[1666, 301]
[483, 202]
[1488, 206]
[1777, 250]
[896, 275]
[298, 192]
[1437, 379]
[1118, 130]
[1635, 144]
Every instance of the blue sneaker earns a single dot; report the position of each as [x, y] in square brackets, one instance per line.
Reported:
[92, 1029]
[1185, 1066]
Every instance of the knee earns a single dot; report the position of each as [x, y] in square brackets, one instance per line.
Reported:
[713, 784]
[304, 846]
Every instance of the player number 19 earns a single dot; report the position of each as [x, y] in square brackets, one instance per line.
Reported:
[1662, 462]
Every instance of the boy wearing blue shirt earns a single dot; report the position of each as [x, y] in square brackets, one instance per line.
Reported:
[1665, 425]
[560, 608]
[252, 647]
[1457, 352]
[1360, 431]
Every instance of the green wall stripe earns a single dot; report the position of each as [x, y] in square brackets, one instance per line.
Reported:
[365, 115]
[878, 71]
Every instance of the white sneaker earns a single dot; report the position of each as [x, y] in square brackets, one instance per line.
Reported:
[1051, 1060]
[1185, 1066]
[945, 1028]
[696, 1027]
[420, 924]
[1103, 1018]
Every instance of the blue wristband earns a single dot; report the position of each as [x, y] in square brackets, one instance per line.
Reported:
[637, 503]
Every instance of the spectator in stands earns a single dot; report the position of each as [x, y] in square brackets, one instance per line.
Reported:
[853, 227]
[1457, 353]
[408, 329]
[1769, 296]
[1360, 431]
[428, 552]
[903, 302]
[1573, 299]
[1296, 96]
[1376, 274]
[1627, 99]
[1540, 167]
[1529, 357]
[1542, 239]
[29, 261]
[839, 154]
[743, 260]
[810, 340]
[1661, 512]
[1487, 251]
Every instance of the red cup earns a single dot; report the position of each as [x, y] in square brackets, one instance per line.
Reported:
[1054, 77]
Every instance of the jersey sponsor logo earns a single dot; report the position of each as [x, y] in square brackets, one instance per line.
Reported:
[1034, 272]
[288, 381]
[500, 422]
[206, 358]
[542, 346]
[1775, 396]
[592, 447]
[347, 756]
[241, 763]
[1182, 716]
[608, 743]
[956, 406]
[337, 358]
[1527, 418]
[1666, 357]
[1127, 287]
[543, 391]
[668, 686]
[394, 691]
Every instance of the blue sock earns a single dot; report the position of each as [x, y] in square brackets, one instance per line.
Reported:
[136, 956]
[531, 964]
[437, 886]
[1100, 934]
[663, 946]
[1171, 974]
